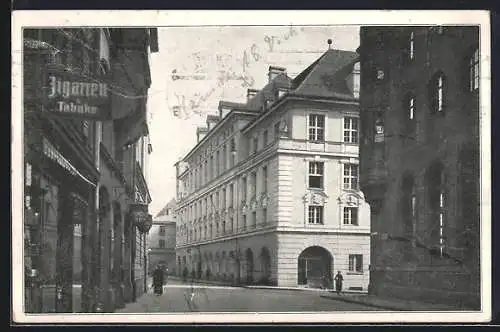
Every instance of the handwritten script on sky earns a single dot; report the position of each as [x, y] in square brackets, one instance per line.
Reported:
[196, 67]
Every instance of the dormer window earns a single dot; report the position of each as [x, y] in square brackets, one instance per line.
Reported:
[282, 92]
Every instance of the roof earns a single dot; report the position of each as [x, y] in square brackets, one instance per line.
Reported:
[170, 205]
[326, 77]
[267, 92]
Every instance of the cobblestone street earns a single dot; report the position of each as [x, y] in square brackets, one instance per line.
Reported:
[233, 299]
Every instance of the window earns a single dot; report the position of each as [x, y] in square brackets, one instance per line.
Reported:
[254, 219]
[474, 71]
[277, 130]
[264, 179]
[206, 171]
[316, 170]
[315, 215]
[254, 183]
[437, 95]
[233, 152]
[350, 130]
[264, 215]
[255, 144]
[265, 137]
[212, 167]
[356, 263]
[244, 188]
[411, 46]
[162, 230]
[350, 215]
[410, 106]
[437, 197]
[244, 221]
[350, 176]
[161, 244]
[224, 198]
[316, 128]
[223, 226]
[231, 194]
[217, 163]
[223, 159]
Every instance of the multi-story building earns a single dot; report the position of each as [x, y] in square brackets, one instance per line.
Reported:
[85, 194]
[161, 240]
[270, 193]
[419, 160]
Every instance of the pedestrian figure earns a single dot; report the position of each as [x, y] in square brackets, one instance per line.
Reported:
[338, 282]
[158, 280]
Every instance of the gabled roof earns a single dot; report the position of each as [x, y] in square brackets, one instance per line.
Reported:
[170, 205]
[326, 77]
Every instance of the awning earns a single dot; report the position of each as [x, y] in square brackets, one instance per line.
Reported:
[50, 151]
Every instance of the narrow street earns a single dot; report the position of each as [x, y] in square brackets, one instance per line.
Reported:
[234, 299]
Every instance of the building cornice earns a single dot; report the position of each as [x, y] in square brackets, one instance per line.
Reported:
[219, 124]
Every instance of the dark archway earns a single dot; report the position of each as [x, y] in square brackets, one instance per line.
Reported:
[249, 265]
[314, 264]
[265, 266]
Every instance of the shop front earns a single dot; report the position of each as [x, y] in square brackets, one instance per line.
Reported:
[58, 226]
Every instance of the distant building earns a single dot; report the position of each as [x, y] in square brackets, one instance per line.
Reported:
[419, 160]
[161, 239]
[270, 193]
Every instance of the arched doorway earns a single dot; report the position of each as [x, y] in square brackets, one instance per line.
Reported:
[314, 263]
[249, 265]
[265, 265]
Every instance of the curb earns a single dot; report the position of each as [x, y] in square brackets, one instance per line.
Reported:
[345, 299]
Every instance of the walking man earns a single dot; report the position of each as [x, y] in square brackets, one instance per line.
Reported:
[158, 280]
[338, 282]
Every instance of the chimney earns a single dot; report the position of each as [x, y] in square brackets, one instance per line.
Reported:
[275, 71]
[251, 93]
[200, 133]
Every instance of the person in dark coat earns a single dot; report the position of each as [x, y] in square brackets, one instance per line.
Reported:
[338, 282]
[158, 280]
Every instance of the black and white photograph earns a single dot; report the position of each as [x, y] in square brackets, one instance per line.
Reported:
[208, 166]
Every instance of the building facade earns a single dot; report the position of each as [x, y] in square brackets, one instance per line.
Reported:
[161, 240]
[83, 183]
[270, 192]
[419, 160]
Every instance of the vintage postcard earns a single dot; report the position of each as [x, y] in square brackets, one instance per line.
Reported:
[251, 166]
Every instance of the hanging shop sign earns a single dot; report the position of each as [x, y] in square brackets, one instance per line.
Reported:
[69, 94]
[140, 217]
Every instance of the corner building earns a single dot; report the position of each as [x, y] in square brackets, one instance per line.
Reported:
[419, 160]
[269, 195]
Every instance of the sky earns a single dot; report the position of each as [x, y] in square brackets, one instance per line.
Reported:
[196, 67]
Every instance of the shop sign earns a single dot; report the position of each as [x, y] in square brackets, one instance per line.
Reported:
[73, 95]
[140, 217]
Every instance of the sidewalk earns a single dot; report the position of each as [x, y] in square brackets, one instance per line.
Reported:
[392, 304]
